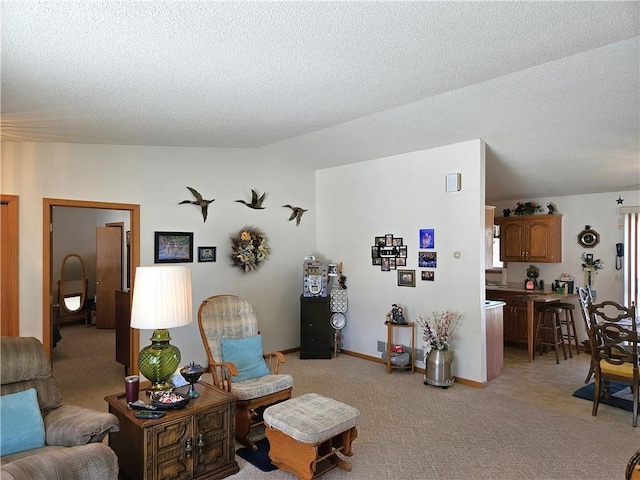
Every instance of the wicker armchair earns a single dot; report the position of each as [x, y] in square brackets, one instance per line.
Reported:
[73, 448]
[223, 319]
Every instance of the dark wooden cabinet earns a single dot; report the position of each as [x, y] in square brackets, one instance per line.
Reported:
[316, 332]
[514, 315]
[123, 333]
[534, 238]
[196, 442]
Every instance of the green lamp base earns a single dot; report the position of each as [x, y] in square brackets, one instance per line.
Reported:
[159, 361]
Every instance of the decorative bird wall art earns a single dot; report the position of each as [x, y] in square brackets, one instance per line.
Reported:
[202, 203]
[256, 202]
[296, 213]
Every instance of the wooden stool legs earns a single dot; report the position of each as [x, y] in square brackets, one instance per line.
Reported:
[548, 326]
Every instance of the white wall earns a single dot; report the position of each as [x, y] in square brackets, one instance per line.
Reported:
[401, 195]
[74, 232]
[602, 212]
[156, 179]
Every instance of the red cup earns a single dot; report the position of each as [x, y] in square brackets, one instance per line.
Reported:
[131, 388]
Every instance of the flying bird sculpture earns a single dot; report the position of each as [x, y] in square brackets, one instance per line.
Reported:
[256, 202]
[204, 204]
[296, 213]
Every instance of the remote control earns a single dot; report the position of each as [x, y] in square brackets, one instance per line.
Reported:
[140, 405]
[149, 415]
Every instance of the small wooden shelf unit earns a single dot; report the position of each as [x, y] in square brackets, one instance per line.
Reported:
[412, 351]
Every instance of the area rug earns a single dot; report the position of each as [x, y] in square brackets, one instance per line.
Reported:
[259, 458]
[620, 397]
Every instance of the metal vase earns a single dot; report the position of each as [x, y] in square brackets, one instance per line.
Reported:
[438, 368]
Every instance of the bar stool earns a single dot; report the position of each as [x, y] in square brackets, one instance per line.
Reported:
[569, 324]
[548, 327]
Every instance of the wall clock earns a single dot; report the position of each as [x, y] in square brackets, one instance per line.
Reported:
[588, 238]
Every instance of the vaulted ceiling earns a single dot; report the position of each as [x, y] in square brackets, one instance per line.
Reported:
[552, 87]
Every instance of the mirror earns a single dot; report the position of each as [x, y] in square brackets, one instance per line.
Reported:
[72, 286]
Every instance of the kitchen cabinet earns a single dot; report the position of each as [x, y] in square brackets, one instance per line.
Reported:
[533, 238]
[495, 340]
[316, 332]
[514, 315]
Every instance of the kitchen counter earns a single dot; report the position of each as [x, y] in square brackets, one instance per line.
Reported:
[519, 288]
[530, 297]
[493, 304]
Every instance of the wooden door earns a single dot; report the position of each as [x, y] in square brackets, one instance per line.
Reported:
[9, 320]
[108, 274]
[512, 240]
[544, 239]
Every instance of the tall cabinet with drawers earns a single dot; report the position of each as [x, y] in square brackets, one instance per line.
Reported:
[316, 332]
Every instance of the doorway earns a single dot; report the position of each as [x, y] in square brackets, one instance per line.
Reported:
[9, 319]
[134, 245]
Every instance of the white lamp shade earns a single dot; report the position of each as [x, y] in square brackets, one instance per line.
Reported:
[162, 297]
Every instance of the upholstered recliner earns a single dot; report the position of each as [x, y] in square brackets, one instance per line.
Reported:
[70, 447]
[229, 330]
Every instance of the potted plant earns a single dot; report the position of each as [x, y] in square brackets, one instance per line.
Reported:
[526, 208]
[590, 267]
[437, 334]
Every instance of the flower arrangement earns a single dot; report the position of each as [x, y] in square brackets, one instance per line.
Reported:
[249, 249]
[526, 208]
[437, 332]
[588, 263]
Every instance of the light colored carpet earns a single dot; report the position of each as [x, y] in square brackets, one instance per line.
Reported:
[524, 425]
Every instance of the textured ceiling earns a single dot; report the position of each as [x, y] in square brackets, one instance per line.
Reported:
[552, 87]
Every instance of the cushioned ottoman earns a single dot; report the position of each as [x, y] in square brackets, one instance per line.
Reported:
[306, 432]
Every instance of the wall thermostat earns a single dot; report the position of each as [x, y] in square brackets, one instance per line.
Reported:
[454, 182]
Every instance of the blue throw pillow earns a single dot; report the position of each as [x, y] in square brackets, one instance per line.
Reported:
[246, 355]
[22, 427]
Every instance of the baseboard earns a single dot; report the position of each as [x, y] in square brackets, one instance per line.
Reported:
[463, 381]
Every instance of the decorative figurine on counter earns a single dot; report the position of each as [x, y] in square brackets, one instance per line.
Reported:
[551, 207]
[533, 273]
[506, 212]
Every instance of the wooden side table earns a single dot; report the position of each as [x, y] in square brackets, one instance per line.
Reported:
[196, 442]
[411, 365]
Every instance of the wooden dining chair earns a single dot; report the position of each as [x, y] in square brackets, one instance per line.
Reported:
[615, 343]
[229, 330]
[586, 296]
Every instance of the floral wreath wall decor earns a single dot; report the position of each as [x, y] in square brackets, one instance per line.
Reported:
[249, 249]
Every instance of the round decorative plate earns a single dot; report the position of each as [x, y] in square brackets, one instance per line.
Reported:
[169, 400]
[338, 320]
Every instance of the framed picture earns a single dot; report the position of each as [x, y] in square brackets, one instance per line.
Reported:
[428, 275]
[401, 261]
[384, 264]
[173, 247]
[376, 261]
[375, 252]
[396, 241]
[427, 259]
[406, 278]
[380, 241]
[427, 238]
[206, 254]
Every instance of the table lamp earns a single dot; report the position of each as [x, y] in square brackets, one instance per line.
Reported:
[162, 299]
